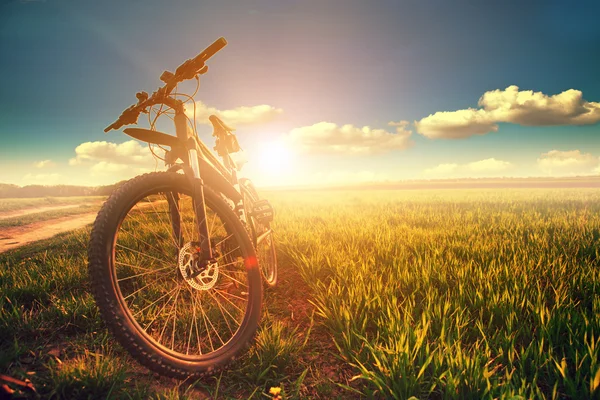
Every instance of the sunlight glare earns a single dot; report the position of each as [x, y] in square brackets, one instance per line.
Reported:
[275, 158]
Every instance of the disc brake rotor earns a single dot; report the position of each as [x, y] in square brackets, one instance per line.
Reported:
[206, 279]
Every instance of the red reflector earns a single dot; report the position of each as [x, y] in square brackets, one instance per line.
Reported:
[251, 262]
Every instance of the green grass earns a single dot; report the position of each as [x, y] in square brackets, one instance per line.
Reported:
[10, 205]
[382, 294]
[463, 294]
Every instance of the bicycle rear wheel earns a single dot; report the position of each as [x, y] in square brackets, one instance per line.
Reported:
[143, 245]
[262, 236]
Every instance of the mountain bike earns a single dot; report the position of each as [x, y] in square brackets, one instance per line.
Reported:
[176, 257]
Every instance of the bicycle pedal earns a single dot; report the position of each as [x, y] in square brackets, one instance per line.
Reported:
[262, 211]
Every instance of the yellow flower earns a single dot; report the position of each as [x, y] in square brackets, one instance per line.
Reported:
[275, 391]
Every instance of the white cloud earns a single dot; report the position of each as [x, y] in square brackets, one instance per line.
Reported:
[42, 179]
[537, 109]
[112, 162]
[456, 124]
[564, 163]
[117, 171]
[489, 167]
[327, 137]
[489, 164]
[108, 167]
[511, 105]
[244, 115]
[441, 169]
[130, 152]
[44, 164]
[400, 124]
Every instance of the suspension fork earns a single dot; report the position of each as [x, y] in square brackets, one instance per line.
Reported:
[199, 205]
[175, 215]
[193, 173]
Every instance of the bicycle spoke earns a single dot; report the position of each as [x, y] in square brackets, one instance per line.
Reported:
[142, 274]
[216, 245]
[169, 316]
[210, 340]
[229, 264]
[140, 289]
[174, 326]
[225, 255]
[221, 309]
[197, 331]
[187, 351]
[212, 326]
[212, 225]
[133, 266]
[221, 292]
[169, 228]
[160, 312]
[154, 302]
[149, 223]
[146, 243]
[230, 302]
[181, 218]
[233, 279]
[139, 252]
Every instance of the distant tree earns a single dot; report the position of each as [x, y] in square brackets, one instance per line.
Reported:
[8, 190]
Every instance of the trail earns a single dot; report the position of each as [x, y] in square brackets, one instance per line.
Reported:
[35, 210]
[18, 236]
[21, 235]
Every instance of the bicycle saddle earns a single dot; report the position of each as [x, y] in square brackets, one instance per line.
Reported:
[218, 124]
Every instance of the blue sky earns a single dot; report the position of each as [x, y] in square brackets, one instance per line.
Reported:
[70, 67]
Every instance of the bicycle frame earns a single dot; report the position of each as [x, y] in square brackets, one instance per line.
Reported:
[196, 150]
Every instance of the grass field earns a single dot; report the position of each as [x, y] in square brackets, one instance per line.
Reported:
[382, 294]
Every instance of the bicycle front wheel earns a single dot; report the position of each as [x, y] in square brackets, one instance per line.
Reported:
[175, 318]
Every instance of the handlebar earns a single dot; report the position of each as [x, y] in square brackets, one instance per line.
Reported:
[189, 69]
[213, 48]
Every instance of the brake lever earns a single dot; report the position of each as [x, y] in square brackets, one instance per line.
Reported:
[141, 96]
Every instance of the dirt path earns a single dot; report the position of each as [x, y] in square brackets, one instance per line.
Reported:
[17, 236]
[27, 211]
[21, 235]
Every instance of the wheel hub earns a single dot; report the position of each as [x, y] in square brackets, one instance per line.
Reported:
[188, 263]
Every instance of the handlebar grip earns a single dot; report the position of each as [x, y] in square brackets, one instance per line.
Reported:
[187, 70]
[111, 127]
[213, 48]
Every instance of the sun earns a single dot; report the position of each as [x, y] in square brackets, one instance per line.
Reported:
[275, 158]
